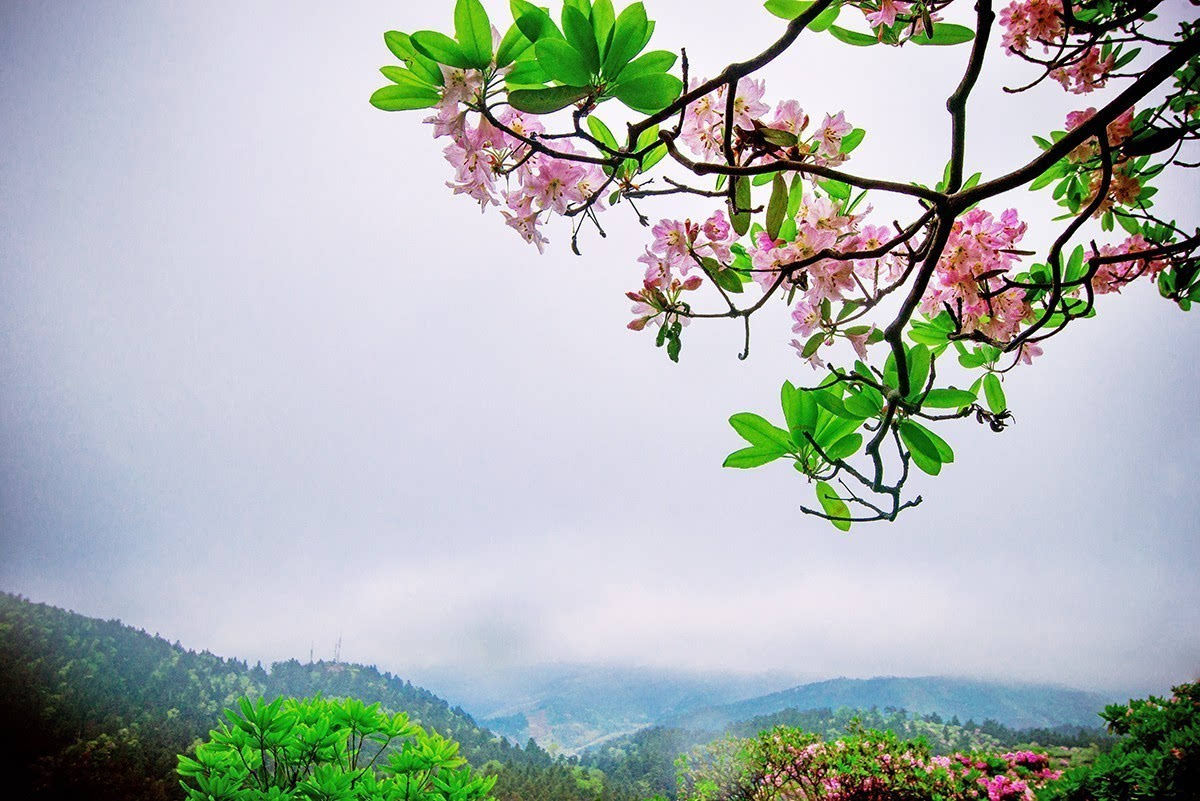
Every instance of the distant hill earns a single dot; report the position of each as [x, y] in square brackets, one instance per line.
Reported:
[568, 708]
[1014, 705]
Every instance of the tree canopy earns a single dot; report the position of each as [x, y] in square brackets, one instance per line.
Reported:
[909, 322]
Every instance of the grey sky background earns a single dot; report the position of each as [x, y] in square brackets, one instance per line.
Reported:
[265, 382]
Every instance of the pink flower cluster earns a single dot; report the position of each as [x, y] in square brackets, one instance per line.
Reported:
[493, 166]
[1086, 73]
[1111, 277]
[1004, 788]
[675, 251]
[1037, 764]
[977, 255]
[1118, 131]
[1031, 21]
[704, 123]
[1027, 22]
[878, 769]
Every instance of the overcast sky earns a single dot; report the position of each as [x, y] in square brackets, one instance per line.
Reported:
[265, 382]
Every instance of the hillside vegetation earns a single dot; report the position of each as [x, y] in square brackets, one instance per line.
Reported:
[99, 710]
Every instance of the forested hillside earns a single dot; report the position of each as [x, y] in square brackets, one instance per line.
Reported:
[98, 710]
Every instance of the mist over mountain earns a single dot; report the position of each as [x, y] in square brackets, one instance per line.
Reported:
[1014, 704]
[571, 707]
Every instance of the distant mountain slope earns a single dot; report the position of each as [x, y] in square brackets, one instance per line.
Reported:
[572, 707]
[1014, 705]
[96, 709]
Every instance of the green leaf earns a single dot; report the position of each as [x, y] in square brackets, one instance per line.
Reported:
[442, 49]
[852, 140]
[562, 62]
[831, 402]
[548, 100]
[1076, 268]
[924, 452]
[527, 74]
[813, 344]
[627, 36]
[777, 207]
[726, 278]
[919, 361]
[602, 131]
[647, 63]
[582, 37]
[945, 33]
[795, 195]
[1130, 225]
[826, 18]
[405, 77]
[836, 189]
[654, 157]
[534, 22]
[994, 393]
[861, 405]
[741, 199]
[787, 9]
[759, 432]
[473, 30]
[603, 19]
[800, 411]
[512, 46]
[852, 37]
[845, 447]
[402, 97]
[751, 457]
[401, 46]
[647, 137]
[949, 398]
[944, 452]
[649, 93]
[833, 506]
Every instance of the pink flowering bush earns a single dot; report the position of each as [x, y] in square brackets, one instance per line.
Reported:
[523, 106]
[787, 764]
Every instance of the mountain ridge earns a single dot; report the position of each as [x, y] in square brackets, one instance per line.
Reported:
[1013, 703]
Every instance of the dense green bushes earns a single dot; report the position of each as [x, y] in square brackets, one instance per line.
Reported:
[322, 750]
[1158, 757]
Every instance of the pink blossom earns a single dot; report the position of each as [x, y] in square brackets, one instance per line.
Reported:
[814, 361]
[808, 318]
[886, 15]
[555, 186]
[673, 241]
[790, 117]
[524, 220]
[1085, 75]
[747, 102]
[859, 342]
[1026, 21]
[829, 137]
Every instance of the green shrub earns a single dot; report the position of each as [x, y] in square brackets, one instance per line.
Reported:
[326, 750]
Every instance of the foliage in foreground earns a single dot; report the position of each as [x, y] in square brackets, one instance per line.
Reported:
[1159, 757]
[787, 764]
[326, 750]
